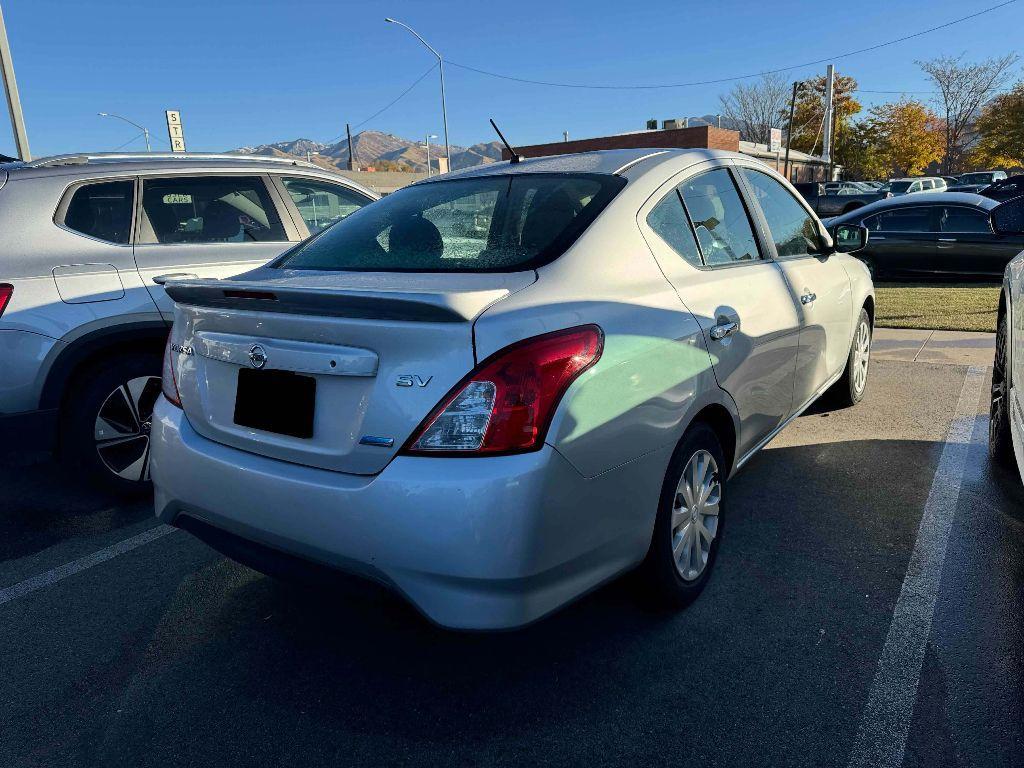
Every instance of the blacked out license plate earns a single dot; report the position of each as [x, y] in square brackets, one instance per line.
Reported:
[275, 401]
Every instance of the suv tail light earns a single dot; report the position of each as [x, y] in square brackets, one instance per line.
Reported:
[6, 291]
[506, 404]
[169, 380]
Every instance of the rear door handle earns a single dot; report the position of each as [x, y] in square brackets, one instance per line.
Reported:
[719, 332]
[808, 298]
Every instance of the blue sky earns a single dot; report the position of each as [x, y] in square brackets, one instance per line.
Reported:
[258, 71]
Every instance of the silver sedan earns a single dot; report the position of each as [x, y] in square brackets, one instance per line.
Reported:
[496, 390]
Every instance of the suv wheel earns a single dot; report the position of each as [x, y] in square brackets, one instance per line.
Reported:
[688, 527]
[106, 422]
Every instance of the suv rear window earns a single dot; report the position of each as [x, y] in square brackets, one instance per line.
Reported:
[103, 211]
[482, 224]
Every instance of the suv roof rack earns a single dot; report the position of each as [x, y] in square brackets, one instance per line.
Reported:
[111, 157]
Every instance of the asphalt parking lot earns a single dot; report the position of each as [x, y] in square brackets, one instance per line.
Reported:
[866, 610]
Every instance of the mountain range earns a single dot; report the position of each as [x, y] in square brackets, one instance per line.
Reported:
[382, 151]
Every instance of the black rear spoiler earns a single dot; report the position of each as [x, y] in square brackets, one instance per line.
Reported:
[455, 307]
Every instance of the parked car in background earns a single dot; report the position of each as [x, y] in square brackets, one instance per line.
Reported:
[909, 186]
[951, 181]
[1005, 189]
[89, 241]
[1006, 422]
[843, 200]
[975, 182]
[948, 233]
[494, 424]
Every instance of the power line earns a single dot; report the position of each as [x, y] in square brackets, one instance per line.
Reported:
[553, 84]
[390, 104]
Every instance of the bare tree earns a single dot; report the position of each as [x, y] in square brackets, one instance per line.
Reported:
[963, 90]
[757, 107]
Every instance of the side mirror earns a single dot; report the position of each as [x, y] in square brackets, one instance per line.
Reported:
[1008, 217]
[849, 237]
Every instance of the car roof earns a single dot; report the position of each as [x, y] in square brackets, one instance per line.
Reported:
[923, 198]
[89, 163]
[630, 163]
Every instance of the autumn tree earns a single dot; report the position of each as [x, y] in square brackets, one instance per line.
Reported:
[809, 115]
[962, 89]
[862, 155]
[907, 136]
[1001, 130]
[757, 107]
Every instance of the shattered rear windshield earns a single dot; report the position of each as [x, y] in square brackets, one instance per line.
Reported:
[482, 224]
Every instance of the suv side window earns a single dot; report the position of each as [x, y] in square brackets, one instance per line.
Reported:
[321, 203]
[719, 218]
[103, 211]
[209, 209]
[793, 229]
[668, 219]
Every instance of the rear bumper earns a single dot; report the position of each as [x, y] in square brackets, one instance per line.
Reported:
[490, 543]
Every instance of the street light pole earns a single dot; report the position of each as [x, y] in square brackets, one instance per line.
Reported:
[429, 137]
[440, 62]
[11, 89]
[145, 131]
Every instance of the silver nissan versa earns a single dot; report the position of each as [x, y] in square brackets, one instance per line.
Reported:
[495, 390]
[86, 242]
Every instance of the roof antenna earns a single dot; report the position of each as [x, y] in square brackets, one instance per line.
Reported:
[515, 155]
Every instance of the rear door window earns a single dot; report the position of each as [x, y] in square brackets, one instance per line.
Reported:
[321, 203]
[719, 218]
[208, 209]
[477, 224]
[102, 210]
[668, 219]
[954, 218]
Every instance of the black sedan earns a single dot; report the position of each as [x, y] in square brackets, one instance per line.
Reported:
[935, 234]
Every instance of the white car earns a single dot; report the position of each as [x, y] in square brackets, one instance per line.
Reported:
[496, 390]
[1006, 422]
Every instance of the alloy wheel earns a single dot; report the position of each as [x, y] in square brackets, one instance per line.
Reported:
[123, 425]
[861, 356]
[695, 514]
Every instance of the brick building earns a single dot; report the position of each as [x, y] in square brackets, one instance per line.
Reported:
[803, 167]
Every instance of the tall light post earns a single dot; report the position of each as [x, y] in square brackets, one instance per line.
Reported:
[13, 100]
[429, 137]
[440, 63]
[145, 131]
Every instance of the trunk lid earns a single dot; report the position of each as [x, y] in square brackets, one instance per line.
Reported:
[374, 351]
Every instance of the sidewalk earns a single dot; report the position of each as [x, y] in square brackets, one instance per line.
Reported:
[952, 347]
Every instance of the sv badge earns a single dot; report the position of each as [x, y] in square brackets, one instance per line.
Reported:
[412, 380]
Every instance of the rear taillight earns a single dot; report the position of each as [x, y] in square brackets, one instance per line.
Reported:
[6, 291]
[506, 404]
[169, 381]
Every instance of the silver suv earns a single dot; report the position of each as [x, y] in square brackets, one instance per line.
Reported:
[88, 241]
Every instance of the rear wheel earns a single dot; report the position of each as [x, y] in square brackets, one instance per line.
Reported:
[107, 419]
[688, 527]
[1000, 444]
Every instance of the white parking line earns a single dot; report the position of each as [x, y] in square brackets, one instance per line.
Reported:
[885, 722]
[23, 588]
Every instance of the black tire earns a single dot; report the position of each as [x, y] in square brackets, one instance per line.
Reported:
[659, 575]
[850, 388]
[126, 388]
[1000, 444]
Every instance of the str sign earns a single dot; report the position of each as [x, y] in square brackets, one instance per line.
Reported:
[775, 140]
[175, 131]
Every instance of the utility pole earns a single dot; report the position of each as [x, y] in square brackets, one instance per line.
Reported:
[565, 135]
[351, 151]
[11, 89]
[826, 134]
[789, 130]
